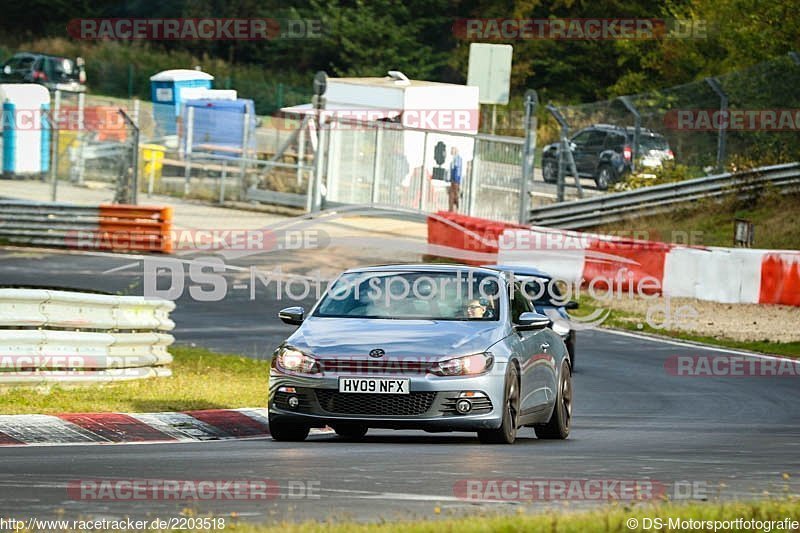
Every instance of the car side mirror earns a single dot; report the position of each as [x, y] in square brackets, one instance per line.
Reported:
[572, 304]
[531, 321]
[292, 315]
[7, 69]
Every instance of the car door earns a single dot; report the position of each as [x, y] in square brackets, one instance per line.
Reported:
[579, 142]
[590, 153]
[536, 389]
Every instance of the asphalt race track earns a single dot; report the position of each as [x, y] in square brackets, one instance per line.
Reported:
[732, 437]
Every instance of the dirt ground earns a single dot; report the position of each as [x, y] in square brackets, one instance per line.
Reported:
[741, 322]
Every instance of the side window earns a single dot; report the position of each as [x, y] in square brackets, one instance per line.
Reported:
[615, 142]
[582, 137]
[596, 140]
[519, 304]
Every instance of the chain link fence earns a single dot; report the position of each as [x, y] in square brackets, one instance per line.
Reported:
[742, 119]
[737, 120]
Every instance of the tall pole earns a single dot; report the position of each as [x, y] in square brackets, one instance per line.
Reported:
[528, 153]
[315, 188]
[723, 109]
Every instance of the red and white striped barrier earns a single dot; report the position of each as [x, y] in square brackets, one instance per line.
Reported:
[727, 275]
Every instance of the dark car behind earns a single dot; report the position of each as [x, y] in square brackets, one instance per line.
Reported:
[53, 72]
[604, 153]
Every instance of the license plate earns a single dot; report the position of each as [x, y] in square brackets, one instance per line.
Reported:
[374, 385]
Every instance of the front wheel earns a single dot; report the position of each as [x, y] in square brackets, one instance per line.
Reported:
[570, 343]
[558, 425]
[507, 432]
[283, 431]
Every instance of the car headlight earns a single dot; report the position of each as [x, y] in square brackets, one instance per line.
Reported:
[561, 328]
[469, 365]
[296, 361]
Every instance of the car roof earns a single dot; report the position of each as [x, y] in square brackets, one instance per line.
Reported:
[37, 54]
[629, 129]
[519, 270]
[423, 267]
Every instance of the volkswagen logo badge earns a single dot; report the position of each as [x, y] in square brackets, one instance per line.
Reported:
[377, 352]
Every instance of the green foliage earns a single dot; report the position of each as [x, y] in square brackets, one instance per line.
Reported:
[365, 38]
[668, 173]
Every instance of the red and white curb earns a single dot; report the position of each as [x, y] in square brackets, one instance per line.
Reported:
[120, 428]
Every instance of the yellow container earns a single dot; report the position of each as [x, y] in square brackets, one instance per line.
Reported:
[66, 139]
[152, 159]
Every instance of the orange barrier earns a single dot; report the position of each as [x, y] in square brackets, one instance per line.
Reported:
[616, 263]
[135, 228]
[466, 233]
[780, 278]
[103, 119]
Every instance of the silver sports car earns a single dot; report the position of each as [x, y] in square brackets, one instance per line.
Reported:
[432, 347]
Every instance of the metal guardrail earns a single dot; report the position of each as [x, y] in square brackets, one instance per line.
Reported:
[661, 198]
[107, 227]
[51, 336]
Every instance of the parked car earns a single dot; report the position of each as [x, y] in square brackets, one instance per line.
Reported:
[53, 72]
[604, 153]
[547, 298]
[432, 347]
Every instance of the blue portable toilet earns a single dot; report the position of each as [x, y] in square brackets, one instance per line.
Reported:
[219, 124]
[25, 129]
[166, 91]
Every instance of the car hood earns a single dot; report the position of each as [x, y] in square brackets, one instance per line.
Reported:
[353, 337]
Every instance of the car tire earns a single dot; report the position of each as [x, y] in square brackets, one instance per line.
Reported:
[287, 432]
[558, 425]
[507, 432]
[351, 431]
[550, 171]
[571, 350]
[605, 176]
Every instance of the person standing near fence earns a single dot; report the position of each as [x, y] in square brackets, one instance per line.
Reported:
[456, 168]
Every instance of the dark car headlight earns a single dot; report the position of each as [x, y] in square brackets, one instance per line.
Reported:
[296, 361]
[468, 365]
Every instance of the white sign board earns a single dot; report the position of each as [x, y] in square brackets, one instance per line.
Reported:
[490, 71]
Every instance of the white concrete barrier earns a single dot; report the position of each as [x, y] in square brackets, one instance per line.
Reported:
[49, 336]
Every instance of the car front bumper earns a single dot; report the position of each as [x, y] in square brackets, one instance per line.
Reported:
[429, 404]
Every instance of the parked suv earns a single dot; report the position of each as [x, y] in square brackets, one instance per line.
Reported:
[51, 71]
[604, 153]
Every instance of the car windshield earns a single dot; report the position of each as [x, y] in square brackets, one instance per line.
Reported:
[653, 143]
[541, 291]
[19, 62]
[457, 295]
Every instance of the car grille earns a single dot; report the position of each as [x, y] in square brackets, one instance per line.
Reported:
[412, 404]
[383, 366]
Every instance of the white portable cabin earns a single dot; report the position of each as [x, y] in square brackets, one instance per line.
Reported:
[420, 106]
[25, 139]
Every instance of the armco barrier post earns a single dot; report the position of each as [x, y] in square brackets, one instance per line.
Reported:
[188, 150]
[243, 163]
[128, 189]
[54, 119]
[564, 151]
[723, 108]
[637, 130]
[528, 152]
